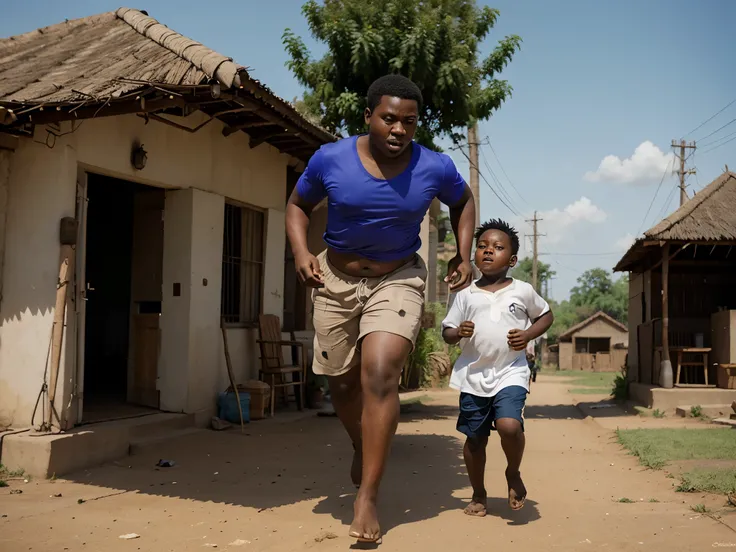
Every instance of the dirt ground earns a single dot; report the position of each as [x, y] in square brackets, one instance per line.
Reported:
[286, 487]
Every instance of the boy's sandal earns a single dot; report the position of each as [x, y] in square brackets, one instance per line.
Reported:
[516, 503]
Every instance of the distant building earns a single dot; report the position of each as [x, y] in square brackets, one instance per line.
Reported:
[597, 344]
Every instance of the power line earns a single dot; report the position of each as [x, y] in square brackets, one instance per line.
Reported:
[718, 140]
[656, 193]
[557, 253]
[665, 207]
[498, 182]
[701, 125]
[488, 183]
[718, 146]
[732, 121]
[488, 141]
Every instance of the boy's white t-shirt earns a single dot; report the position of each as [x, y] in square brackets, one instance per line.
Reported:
[487, 364]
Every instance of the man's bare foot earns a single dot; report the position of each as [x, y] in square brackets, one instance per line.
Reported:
[517, 490]
[356, 470]
[365, 525]
[477, 506]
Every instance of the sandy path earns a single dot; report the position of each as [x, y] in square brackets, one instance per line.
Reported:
[285, 487]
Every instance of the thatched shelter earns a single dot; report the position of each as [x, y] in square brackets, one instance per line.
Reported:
[683, 291]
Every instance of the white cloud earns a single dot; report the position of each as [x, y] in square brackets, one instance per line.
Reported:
[558, 224]
[624, 242]
[647, 164]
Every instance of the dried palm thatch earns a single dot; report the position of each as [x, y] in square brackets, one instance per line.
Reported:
[710, 216]
[102, 59]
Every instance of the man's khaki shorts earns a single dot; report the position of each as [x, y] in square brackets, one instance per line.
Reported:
[348, 308]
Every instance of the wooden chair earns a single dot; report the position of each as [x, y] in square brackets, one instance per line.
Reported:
[272, 360]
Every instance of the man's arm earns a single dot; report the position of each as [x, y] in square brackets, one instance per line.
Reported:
[462, 218]
[298, 212]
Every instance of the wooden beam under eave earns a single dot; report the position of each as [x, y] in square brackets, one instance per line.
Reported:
[268, 115]
[255, 142]
[54, 114]
[232, 129]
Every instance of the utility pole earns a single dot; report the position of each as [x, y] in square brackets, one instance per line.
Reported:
[474, 171]
[535, 251]
[682, 172]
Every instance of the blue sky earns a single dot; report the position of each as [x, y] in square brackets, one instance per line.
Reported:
[593, 79]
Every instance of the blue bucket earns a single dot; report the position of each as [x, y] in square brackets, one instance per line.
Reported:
[227, 407]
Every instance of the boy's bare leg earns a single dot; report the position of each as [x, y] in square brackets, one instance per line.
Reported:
[348, 402]
[383, 356]
[474, 452]
[513, 442]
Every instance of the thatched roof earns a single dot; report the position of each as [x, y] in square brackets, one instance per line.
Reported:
[710, 216]
[111, 60]
[600, 315]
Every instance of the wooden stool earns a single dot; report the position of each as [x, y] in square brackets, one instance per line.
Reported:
[701, 364]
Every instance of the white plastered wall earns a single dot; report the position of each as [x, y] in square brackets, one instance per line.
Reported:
[199, 172]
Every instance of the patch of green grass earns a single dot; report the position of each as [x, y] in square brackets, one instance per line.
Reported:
[588, 383]
[620, 387]
[658, 413]
[696, 411]
[656, 447]
[625, 500]
[708, 480]
[416, 400]
[653, 501]
[699, 508]
[4, 471]
[3, 483]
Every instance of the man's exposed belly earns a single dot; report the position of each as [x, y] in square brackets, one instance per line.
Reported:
[360, 267]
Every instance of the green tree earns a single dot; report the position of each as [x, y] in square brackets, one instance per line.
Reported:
[596, 291]
[523, 271]
[433, 42]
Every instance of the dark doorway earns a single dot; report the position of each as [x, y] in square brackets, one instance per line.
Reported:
[124, 248]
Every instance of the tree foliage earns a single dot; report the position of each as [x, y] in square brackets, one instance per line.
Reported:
[433, 42]
[523, 271]
[596, 291]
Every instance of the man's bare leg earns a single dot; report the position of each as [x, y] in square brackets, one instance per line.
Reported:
[383, 357]
[348, 402]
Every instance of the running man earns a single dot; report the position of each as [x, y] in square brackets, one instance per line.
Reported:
[369, 284]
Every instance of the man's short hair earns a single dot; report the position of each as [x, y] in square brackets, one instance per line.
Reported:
[397, 86]
[503, 226]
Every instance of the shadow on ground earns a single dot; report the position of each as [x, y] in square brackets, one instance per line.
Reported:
[273, 466]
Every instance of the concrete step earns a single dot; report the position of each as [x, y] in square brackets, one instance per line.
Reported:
[145, 443]
[709, 410]
[87, 446]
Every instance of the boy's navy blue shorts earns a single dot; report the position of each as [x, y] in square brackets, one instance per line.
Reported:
[478, 414]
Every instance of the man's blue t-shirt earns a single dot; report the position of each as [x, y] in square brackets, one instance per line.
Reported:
[371, 217]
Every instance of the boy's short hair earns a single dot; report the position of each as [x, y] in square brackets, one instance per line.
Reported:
[397, 86]
[503, 226]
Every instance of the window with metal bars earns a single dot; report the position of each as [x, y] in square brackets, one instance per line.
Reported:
[243, 247]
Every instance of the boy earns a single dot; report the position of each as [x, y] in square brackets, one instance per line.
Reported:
[491, 319]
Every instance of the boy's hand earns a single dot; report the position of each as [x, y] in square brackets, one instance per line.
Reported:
[518, 339]
[466, 329]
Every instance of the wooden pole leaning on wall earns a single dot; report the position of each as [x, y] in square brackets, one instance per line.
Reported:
[230, 374]
[68, 239]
